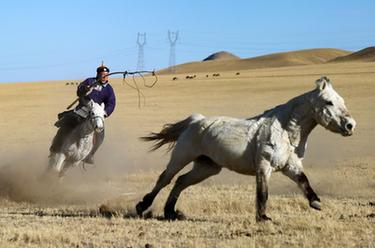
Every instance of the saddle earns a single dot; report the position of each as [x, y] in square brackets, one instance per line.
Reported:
[68, 118]
[60, 118]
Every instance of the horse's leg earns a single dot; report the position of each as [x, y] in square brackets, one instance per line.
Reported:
[203, 168]
[263, 174]
[181, 156]
[56, 162]
[300, 178]
[64, 169]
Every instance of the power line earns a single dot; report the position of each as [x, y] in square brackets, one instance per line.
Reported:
[141, 41]
[172, 37]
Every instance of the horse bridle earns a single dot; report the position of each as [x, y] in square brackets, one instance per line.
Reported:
[94, 117]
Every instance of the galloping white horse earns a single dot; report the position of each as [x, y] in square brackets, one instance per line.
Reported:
[273, 141]
[79, 143]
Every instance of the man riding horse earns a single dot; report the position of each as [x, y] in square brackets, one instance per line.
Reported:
[96, 89]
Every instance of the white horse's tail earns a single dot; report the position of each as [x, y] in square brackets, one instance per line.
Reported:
[170, 132]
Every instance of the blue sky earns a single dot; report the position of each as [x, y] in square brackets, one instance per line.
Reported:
[64, 40]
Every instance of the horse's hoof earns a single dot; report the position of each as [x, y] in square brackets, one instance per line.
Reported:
[175, 215]
[315, 205]
[263, 218]
[139, 209]
[106, 212]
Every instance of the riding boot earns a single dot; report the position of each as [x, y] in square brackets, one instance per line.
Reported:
[98, 140]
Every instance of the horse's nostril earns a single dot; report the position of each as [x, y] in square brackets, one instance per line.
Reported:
[349, 126]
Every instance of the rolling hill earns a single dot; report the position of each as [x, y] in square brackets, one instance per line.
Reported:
[367, 54]
[300, 57]
[223, 55]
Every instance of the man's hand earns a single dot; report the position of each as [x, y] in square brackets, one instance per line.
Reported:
[82, 90]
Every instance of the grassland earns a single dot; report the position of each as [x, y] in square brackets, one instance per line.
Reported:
[221, 211]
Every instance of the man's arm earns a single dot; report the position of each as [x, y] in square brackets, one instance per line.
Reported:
[84, 87]
[110, 102]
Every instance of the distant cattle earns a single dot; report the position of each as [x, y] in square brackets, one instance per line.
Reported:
[216, 75]
[190, 76]
[237, 73]
[175, 78]
[66, 83]
[207, 76]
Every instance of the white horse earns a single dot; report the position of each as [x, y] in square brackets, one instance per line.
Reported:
[273, 141]
[79, 142]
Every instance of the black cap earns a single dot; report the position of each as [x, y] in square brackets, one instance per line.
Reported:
[102, 68]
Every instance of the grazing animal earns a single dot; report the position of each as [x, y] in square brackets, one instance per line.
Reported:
[175, 78]
[273, 141]
[237, 73]
[79, 143]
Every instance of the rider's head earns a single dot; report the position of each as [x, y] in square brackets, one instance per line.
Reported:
[102, 73]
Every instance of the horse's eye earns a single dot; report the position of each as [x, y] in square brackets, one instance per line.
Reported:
[330, 103]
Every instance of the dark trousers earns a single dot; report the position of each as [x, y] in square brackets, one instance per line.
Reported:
[99, 138]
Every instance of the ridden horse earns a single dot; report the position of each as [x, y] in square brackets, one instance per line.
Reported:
[273, 141]
[79, 142]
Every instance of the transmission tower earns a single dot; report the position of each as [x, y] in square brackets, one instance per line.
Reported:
[172, 37]
[141, 41]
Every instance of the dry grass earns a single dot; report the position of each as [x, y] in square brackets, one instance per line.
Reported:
[220, 211]
[217, 215]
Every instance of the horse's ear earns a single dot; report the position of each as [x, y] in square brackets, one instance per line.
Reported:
[322, 83]
[102, 105]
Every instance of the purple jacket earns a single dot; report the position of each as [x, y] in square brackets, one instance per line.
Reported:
[103, 93]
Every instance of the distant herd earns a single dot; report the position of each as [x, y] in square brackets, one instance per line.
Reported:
[71, 83]
[176, 78]
[207, 76]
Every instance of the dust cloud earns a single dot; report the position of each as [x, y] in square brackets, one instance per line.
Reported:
[332, 170]
[24, 178]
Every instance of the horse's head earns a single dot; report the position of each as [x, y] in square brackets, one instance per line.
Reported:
[96, 115]
[330, 110]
